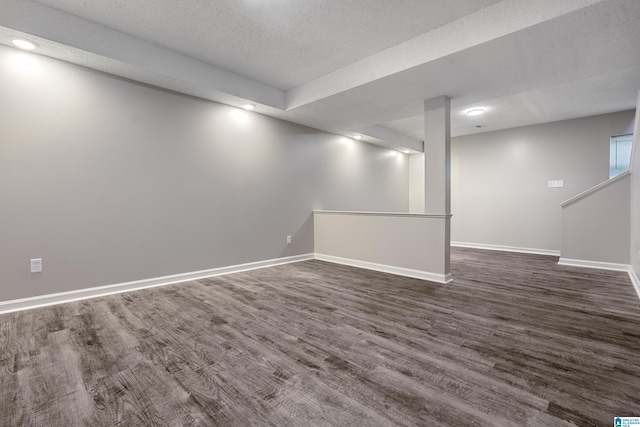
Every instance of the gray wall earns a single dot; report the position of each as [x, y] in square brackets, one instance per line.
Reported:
[412, 245]
[416, 183]
[110, 181]
[595, 227]
[499, 179]
[635, 196]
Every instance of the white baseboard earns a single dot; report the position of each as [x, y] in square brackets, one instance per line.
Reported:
[605, 266]
[80, 294]
[506, 248]
[416, 274]
[635, 280]
[593, 264]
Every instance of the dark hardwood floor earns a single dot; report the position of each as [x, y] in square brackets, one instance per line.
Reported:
[515, 340]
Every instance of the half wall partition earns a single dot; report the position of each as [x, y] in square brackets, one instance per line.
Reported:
[408, 244]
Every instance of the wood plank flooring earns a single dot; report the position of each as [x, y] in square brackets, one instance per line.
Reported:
[515, 340]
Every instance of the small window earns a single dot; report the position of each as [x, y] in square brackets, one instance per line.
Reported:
[619, 154]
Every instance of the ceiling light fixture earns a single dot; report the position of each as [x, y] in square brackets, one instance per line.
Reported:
[24, 44]
[249, 107]
[358, 137]
[475, 112]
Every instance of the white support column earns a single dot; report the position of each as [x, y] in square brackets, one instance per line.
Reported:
[437, 166]
[437, 155]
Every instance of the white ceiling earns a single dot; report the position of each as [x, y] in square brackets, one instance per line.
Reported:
[358, 66]
[282, 43]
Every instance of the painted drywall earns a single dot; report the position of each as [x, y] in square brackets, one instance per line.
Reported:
[635, 196]
[499, 179]
[413, 245]
[416, 179]
[110, 181]
[595, 227]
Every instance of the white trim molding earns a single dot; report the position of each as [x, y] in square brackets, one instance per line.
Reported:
[506, 248]
[593, 264]
[81, 294]
[635, 280]
[594, 189]
[400, 271]
[364, 213]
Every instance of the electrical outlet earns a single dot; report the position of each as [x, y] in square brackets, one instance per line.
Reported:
[36, 265]
[288, 240]
[556, 184]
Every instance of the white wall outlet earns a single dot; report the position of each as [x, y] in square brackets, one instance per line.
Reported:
[36, 265]
[288, 240]
[556, 183]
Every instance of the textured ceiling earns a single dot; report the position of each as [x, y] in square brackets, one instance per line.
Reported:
[282, 43]
[358, 66]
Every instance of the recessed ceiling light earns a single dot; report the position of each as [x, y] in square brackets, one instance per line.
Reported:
[358, 137]
[406, 151]
[24, 44]
[249, 106]
[475, 112]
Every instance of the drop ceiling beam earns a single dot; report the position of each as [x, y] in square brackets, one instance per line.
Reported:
[90, 44]
[469, 31]
[392, 138]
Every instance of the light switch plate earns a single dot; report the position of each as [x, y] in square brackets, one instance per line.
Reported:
[36, 265]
